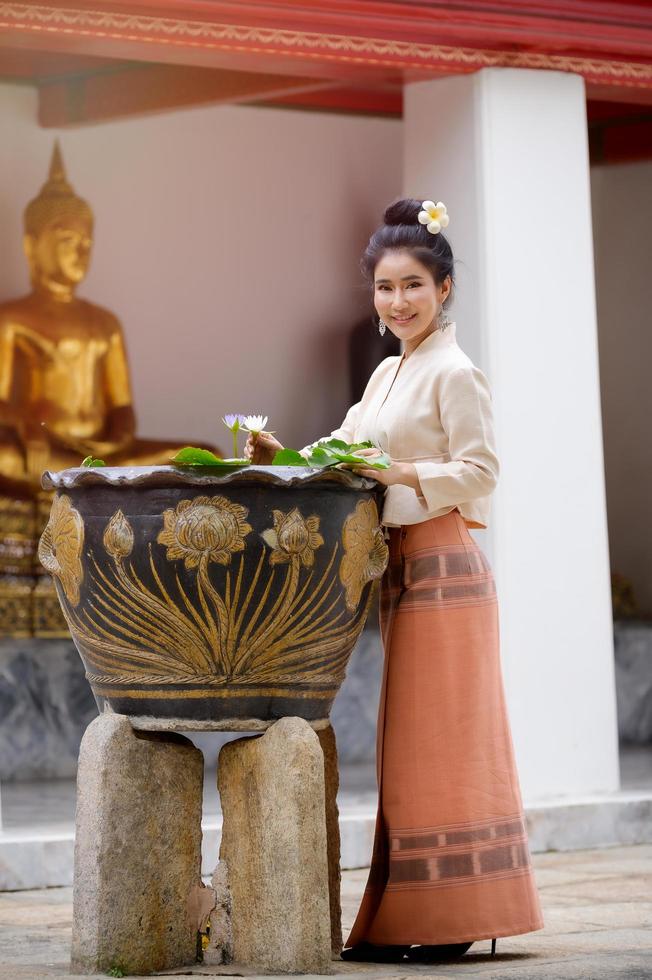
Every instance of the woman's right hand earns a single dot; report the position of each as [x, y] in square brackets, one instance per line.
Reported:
[262, 448]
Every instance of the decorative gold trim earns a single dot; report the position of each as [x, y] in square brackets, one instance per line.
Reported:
[231, 692]
[304, 44]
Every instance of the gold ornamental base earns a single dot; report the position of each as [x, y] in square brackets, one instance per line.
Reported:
[28, 599]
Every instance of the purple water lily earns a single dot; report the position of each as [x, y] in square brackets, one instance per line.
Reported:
[233, 422]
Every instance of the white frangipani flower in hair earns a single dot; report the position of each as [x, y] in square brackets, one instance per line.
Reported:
[254, 423]
[434, 216]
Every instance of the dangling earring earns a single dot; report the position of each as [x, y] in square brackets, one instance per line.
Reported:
[443, 320]
[382, 327]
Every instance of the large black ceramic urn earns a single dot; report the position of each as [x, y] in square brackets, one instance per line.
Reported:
[214, 598]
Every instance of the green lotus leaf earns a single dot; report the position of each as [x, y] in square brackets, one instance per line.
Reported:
[377, 463]
[338, 444]
[289, 457]
[193, 456]
[321, 457]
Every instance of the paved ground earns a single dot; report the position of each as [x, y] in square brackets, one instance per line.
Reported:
[597, 907]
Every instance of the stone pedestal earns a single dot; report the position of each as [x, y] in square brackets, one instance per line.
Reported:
[138, 897]
[220, 946]
[275, 850]
[331, 785]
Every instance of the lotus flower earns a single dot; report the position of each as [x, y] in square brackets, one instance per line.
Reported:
[234, 424]
[254, 423]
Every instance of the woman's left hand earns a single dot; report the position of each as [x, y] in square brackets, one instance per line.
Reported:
[396, 472]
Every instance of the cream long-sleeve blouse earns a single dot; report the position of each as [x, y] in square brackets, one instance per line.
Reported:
[432, 409]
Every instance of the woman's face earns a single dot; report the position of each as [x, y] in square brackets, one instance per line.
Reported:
[406, 296]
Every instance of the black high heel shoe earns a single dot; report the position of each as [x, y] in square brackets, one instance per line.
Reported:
[436, 954]
[370, 953]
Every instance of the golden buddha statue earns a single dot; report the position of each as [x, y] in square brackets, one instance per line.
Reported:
[64, 379]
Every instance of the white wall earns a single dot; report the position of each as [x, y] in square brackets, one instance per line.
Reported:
[507, 150]
[227, 242]
[622, 226]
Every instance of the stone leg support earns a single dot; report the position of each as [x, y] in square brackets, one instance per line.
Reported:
[331, 786]
[220, 944]
[138, 900]
[274, 848]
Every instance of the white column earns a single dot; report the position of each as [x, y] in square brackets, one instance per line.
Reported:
[506, 150]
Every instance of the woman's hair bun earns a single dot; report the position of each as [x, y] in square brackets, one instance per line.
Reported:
[403, 212]
[401, 229]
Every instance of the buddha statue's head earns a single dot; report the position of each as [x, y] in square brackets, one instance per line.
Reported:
[58, 233]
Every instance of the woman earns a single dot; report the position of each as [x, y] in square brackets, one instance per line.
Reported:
[451, 861]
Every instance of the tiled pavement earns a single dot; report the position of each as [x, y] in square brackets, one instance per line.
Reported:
[597, 909]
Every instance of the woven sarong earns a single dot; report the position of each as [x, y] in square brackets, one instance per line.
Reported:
[451, 862]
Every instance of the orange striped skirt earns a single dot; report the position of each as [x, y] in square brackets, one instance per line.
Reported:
[451, 861]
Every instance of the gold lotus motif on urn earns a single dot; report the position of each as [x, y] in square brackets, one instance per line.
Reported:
[293, 537]
[60, 547]
[118, 537]
[208, 528]
[365, 551]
